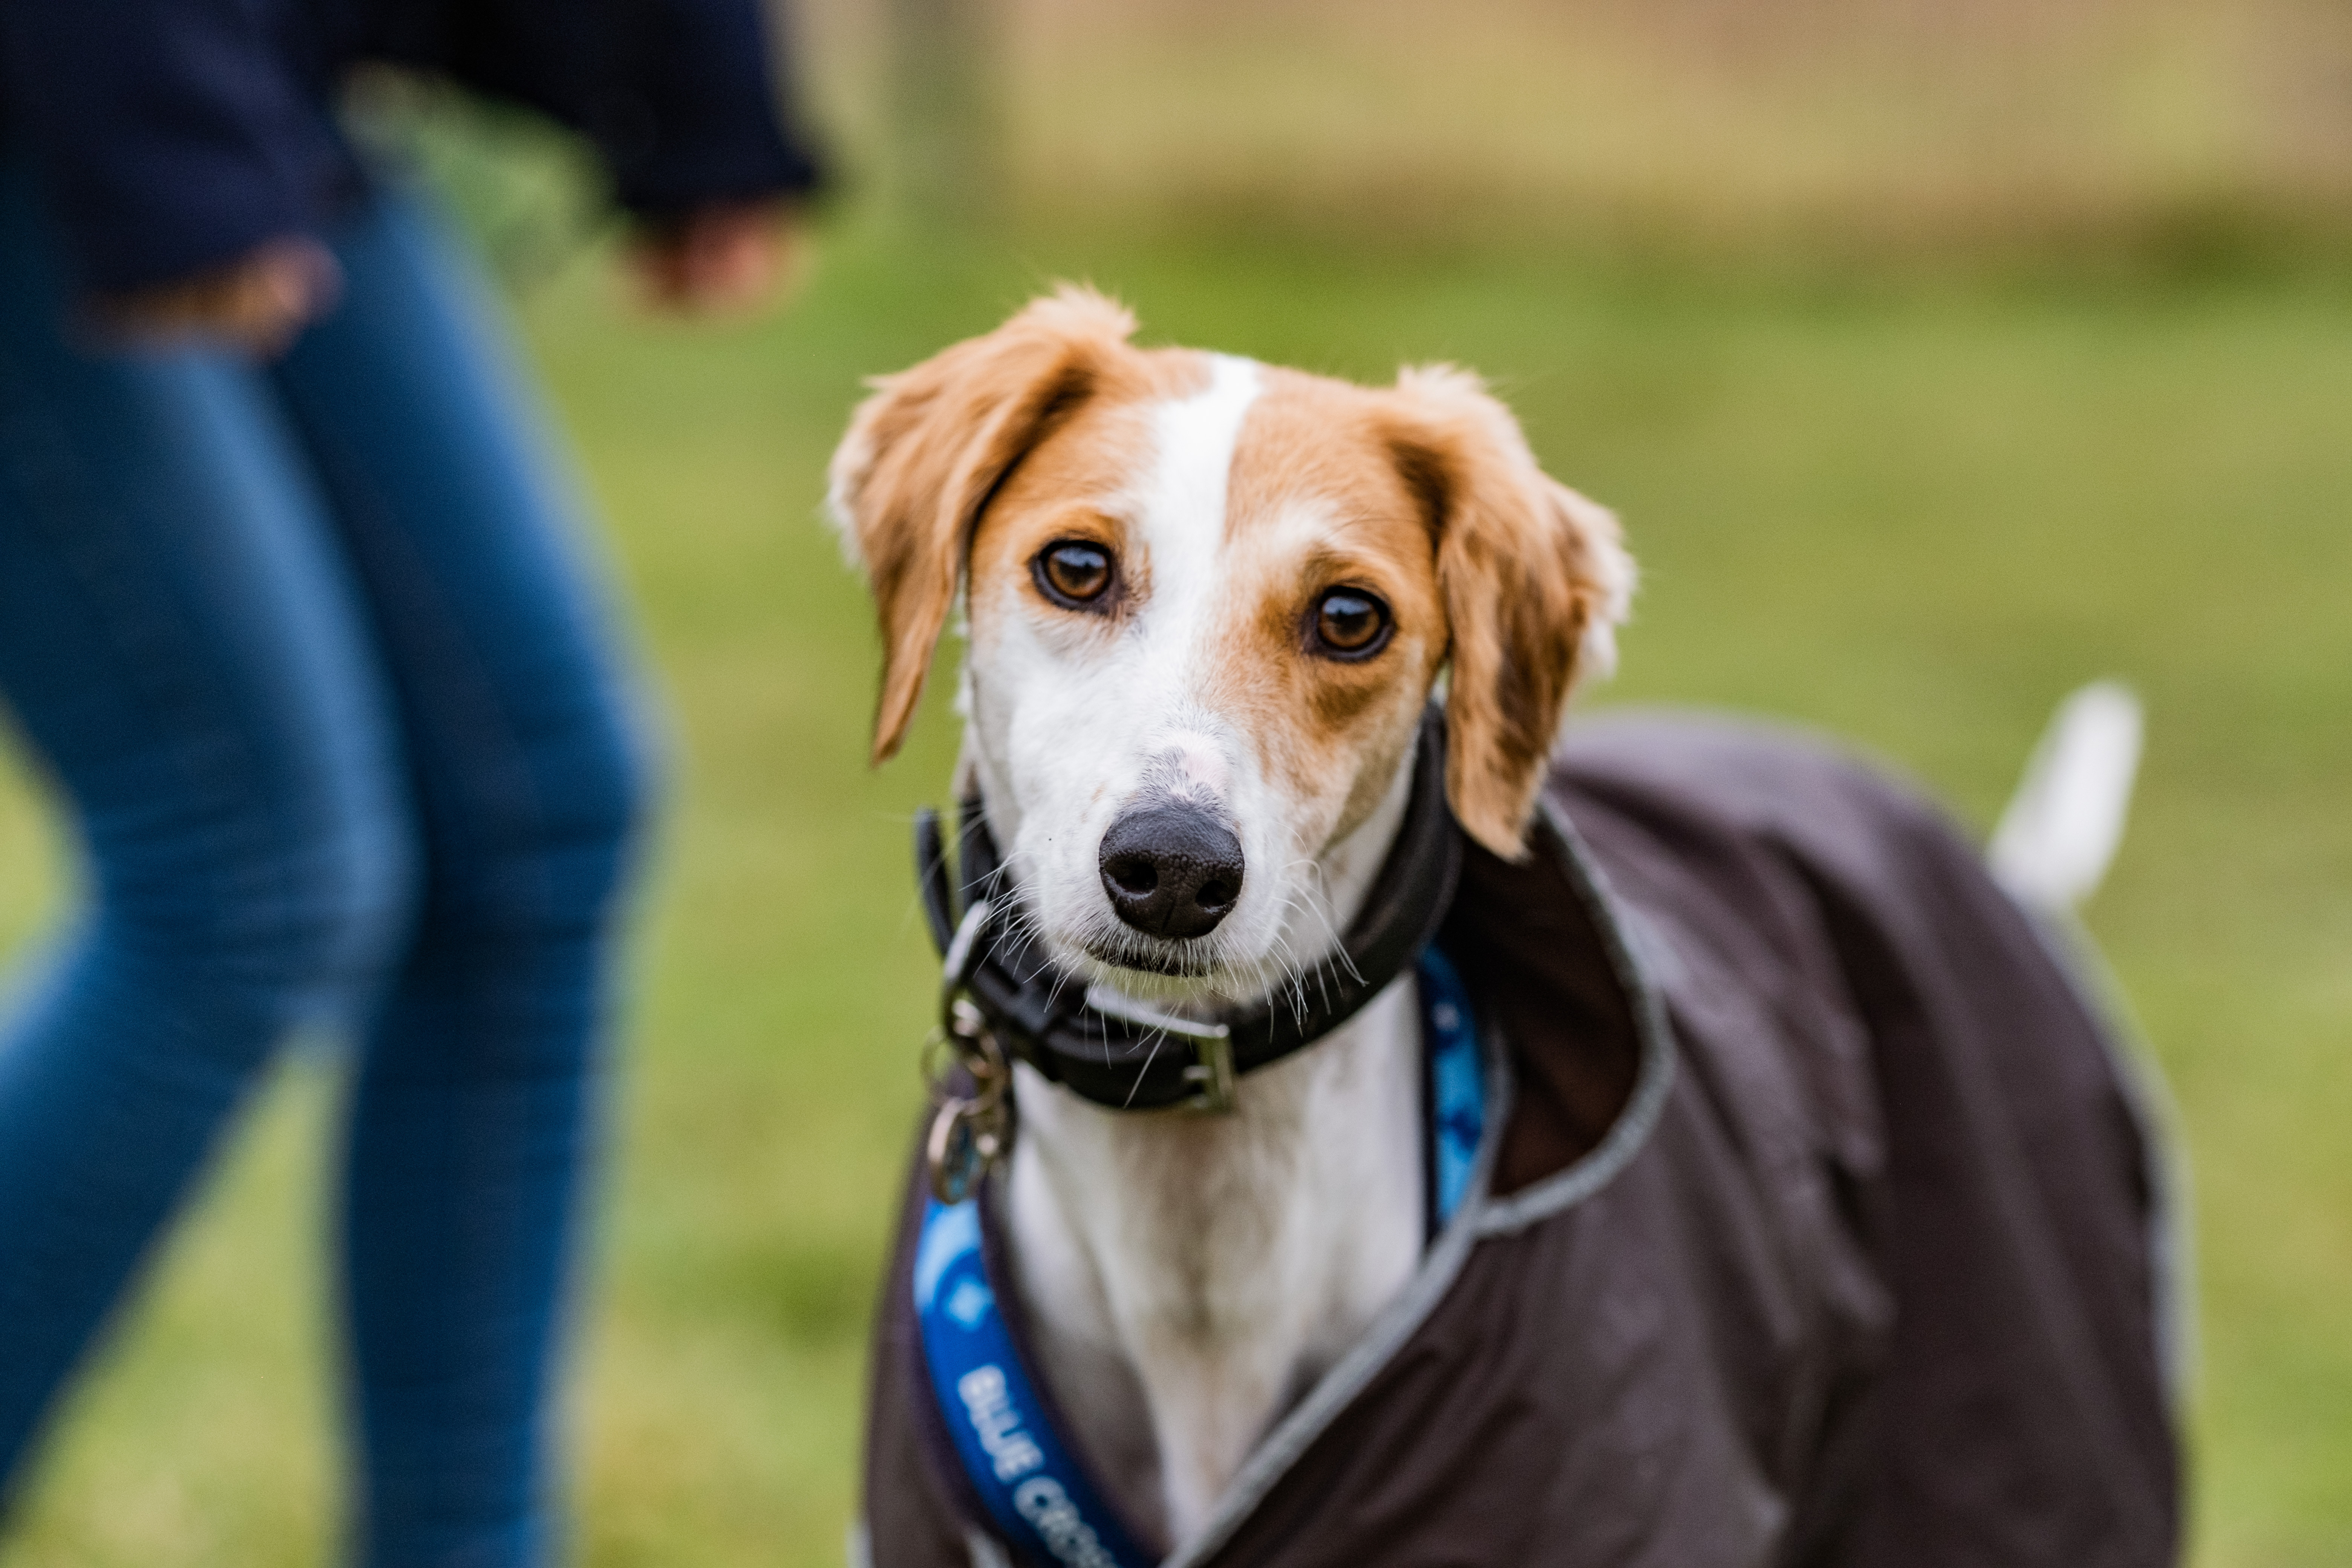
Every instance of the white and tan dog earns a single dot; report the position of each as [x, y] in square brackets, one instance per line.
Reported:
[1208, 600]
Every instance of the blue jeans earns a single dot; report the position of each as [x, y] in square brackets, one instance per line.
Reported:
[311, 654]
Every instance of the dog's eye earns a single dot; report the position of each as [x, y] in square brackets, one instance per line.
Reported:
[1072, 572]
[1349, 624]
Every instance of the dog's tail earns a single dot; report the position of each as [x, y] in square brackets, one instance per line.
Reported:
[2062, 826]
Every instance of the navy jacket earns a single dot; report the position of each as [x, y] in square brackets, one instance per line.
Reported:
[172, 135]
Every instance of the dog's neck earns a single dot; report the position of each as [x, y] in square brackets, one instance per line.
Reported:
[1192, 1275]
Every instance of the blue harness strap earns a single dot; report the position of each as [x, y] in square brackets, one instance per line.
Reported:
[1457, 1084]
[1032, 1484]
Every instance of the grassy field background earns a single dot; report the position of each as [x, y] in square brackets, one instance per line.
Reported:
[1913, 504]
[2184, 131]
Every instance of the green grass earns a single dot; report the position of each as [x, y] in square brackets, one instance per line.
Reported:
[1913, 514]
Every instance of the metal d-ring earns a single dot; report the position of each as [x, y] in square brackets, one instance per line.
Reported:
[971, 1131]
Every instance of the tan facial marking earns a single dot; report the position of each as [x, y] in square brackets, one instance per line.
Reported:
[1231, 497]
[1315, 503]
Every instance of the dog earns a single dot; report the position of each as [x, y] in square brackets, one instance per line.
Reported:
[1265, 681]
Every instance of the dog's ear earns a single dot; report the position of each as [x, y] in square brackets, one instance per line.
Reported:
[1534, 579]
[929, 448]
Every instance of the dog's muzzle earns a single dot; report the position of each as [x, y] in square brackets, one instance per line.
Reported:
[1117, 1053]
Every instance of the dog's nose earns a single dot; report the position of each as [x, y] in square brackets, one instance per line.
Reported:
[1171, 870]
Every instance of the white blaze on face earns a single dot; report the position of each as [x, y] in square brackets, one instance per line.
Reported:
[1181, 519]
[1072, 728]
[1075, 721]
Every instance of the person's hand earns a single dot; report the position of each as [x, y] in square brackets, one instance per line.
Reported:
[727, 258]
[254, 304]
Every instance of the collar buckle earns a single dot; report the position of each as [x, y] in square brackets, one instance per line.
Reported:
[1213, 1070]
[1213, 1046]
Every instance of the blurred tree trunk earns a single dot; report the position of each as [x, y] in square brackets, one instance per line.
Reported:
[945, 60]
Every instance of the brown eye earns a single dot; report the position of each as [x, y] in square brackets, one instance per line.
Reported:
[1072, 572]
[1349, 624]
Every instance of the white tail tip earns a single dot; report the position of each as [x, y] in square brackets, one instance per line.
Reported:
[2062, 828]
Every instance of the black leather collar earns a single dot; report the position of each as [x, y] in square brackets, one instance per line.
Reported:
[1127, 1056]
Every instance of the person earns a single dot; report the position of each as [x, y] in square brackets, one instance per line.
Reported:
[294, 614]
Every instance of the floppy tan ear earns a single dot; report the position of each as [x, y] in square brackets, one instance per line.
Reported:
[1534, 579]
[929, 448]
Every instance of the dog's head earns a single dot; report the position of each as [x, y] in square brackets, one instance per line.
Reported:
[1207, 601]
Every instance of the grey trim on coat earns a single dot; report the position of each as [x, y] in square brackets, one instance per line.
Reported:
[1397, 1323]
[1637, 952]
[1480, 1215]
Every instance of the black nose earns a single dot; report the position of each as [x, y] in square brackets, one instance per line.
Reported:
[1171, 870]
